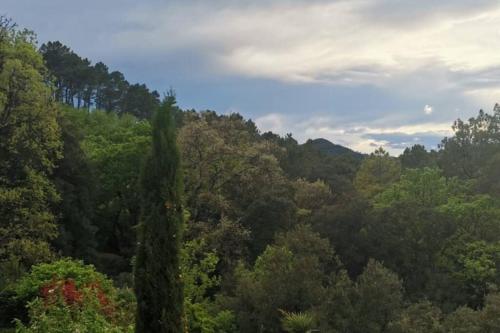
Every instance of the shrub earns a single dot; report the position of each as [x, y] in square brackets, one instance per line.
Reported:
[65, 269]
[68, 296]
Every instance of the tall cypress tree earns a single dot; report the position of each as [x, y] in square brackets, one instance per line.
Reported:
[158, 284]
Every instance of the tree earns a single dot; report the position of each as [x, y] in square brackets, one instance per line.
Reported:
[378, 299]
[466, 153]
[198, 270]
[417, 157]
[308, 162]
[376, 172]
[115, 146]
[158, 284]
[230, 240]
[490, 314]
[344, 224]
[489, 178]
[139, 101]
[311, 196]
[232, 174]
[30, 145]
[336, 311]
[463, 320]
[473, 268]
[408, 228]
[420, 188]
[114, 91]
[422, 317]
[291, 275]
[74, 180]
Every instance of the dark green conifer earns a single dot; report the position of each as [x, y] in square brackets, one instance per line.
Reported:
[158, 284]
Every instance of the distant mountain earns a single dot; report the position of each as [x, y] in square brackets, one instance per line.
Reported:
[330, 148]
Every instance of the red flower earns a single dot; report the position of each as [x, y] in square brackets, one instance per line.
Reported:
[70, 293]
[62, 289]
[67, 292]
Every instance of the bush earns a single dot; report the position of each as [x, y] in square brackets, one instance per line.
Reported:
[68, 296]
[64, 269]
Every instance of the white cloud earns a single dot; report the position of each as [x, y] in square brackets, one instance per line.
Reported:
[385, 43]
[428, 109]
[316, 40]
[271, 122]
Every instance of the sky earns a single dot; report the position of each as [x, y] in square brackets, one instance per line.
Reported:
[361, 73]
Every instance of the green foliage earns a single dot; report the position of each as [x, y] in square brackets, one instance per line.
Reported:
[417, 157]
[297, 322]
[419, 188]
[311, 196]
[201, 319]
[30, 145]
[463, 320]
[68, 296]
[344, 223]
[376, 172]
[378, 299]
[158, 284]
[229, 240]
[474, 266]
[490, 315]
[336, 311]
[199, 277]
[74, 180]
[63, 269]
[198, 269]
[113, 148]
[312, 162]
[290, 275]
[82, 85]
[474, 142]
[68, 319]
[230, 173]
[422, 317]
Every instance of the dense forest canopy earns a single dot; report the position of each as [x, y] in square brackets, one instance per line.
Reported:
[277, 236]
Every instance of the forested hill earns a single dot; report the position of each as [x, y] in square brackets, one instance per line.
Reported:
[330, 148]
[277, 236]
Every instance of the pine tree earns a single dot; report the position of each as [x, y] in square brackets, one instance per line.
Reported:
[158, 284]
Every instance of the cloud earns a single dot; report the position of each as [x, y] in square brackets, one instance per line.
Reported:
[354, 71]
[308, 39]
[428, 109]
[272, 122]
[404, 46]
[363, 138]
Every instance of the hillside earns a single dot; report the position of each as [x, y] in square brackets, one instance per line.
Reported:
[330, 148]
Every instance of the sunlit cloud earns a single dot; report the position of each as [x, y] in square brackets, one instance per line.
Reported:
[324, 41]
[428, 109]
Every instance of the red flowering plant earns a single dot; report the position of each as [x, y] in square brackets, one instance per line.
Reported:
[72, 290]
[61, 290]
[65, 292]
